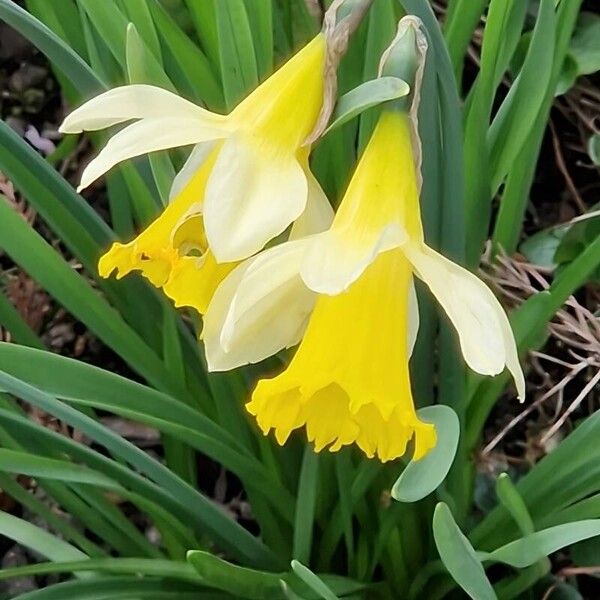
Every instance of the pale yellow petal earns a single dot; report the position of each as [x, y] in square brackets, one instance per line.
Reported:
[137, 101]
[413, 318]
[261, 308]
[145, 136]
[318, 214]
[485, 336]
[255, 191]
[337, 258]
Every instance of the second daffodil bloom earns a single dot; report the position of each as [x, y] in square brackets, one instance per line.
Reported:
[348, 382]
[255, 178]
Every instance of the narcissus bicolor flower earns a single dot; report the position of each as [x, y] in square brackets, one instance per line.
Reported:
[346, 293]
[257, 183]
[172, 252]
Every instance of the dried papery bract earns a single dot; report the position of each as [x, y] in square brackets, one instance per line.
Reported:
[339, 23]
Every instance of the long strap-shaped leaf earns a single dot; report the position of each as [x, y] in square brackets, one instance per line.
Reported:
[230, 535]
[44, 265]
[86, 385]
[124, 588]
[122, 566]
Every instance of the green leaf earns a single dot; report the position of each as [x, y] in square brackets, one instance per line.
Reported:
[57, 523]
[314, 582]
[85, 385]
[203, 15]
[584, 47]
[344, 472]
[578, 236]
[179, 52]
[519, 110]
[110, 23]
[37, 539]
[121, 533]
[239, 581]
[540, 249]
[564, 486]
[15, 324]
[365, 96]
[176, 493]
[585, 553]
[142, 65]
[459, 28]
[528, 550]
[520, 177]
[123, 588]
[101, 58]
[458, 556]
[236, 51]
[513, 502]
[381, 28]
[121, 566]
[421, 477]
[260, 18]
[504, 19]
[45, 265]
[12, 461]
[63, 20]
[139, 14]
[305, 505]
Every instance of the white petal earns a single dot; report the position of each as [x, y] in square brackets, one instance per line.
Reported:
[318, 214]
[253, 194]
[259, 309]
[413, 317]
[194, 161]
[145, 136]
[138, 101]
[486, 339]
[338, 257]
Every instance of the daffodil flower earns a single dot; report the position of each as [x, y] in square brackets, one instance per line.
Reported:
[347, 294]
[257, 183]
[172, 252]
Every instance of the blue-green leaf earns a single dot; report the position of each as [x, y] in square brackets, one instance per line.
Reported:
[421, 477]
[314, 582]
[458, 556]
[528, 550]
[365, 96]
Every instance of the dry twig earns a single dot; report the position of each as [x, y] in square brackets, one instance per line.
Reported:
[575, 326]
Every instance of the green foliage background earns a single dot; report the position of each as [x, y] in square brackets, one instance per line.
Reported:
[331, 514]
